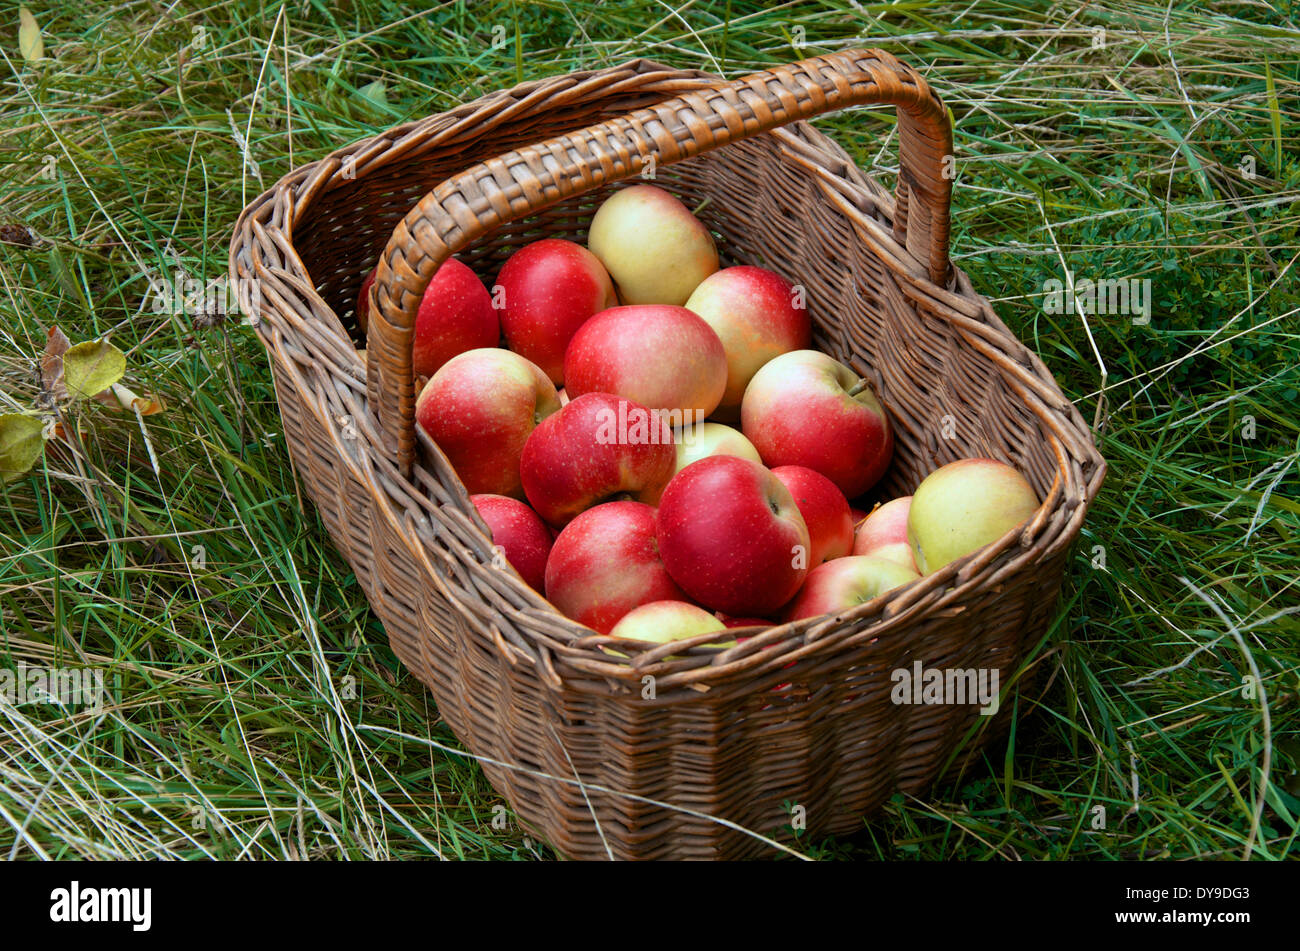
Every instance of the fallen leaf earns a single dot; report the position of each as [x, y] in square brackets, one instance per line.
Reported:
[56, 345]
[89, 368]
[30, 43]
[21, 444]
[121, 397]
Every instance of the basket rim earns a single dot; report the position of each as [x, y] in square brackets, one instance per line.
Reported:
[684, 666]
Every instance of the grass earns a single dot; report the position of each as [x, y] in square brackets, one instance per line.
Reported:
[257, 711]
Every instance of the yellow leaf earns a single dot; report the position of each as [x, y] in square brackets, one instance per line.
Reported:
[91, 367]
[21, 444]
[29, 36]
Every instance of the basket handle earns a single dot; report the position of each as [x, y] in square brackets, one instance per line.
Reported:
[519, 182]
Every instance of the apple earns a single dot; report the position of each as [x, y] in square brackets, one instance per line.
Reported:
[663, 357]
[524, 538]
[455, 315]
[825, 511]
[363, 300]
[597, 448]
[731, 535]
[605, 563]
[712, 439]
[964, 506]
[845, 583]
[656, 251]
[480, 408]
[549, 289]
[857, 513]
[884, 533]
[807, 409]
[660, 622]
[758, 316]
[730, 622]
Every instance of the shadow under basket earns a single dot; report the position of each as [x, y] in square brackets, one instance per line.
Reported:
[702, 752]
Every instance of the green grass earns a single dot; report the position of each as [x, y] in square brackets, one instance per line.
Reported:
[258, 711]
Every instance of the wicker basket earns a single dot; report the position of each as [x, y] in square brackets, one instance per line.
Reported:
[713, 760]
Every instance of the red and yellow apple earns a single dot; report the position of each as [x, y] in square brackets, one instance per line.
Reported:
[661, 356]
[597, 448]
[845, 583]
[455, 315]
[605, 563]
[884, 533]
[548, 289]
[660, 622]
[963, 506]
[824, 509]
[731, 535]
[807, 409]
[712, 439]
[480, 408]
[656, 251]
[758, 316]
[524, 538]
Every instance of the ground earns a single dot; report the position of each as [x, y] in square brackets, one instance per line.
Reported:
[258, 711]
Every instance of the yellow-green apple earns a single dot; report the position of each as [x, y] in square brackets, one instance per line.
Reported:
[660, 622]
[455, 315]
[663, 357]
[524, 539]
[656, 251]
[548, 289]
[807, 409]
[597, 448]
[825, 511]
[702, 440]
[845, 583]
[964, 506]
[758, 316]
[731, 535]
[884, 533]
[605, 563]
[480, 408]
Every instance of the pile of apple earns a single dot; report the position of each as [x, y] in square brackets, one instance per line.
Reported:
[629, 498]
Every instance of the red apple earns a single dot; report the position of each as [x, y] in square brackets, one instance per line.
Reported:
[663, 357]
[363, 301]
[884, 533]
[480, 408]
[845, 583]
[524, 539]
[662, 621]
[964, 506]
[731, 622]
[597, 448]
[824, 509]
[605, 563]
[731, 535]
[549, 289]
[455, 315]
[758, 315]
[656, 251]
[807, 409]
[857, 513]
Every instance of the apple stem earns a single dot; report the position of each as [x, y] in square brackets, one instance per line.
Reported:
[858, 387]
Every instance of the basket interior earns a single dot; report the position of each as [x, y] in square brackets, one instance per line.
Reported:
[947, 401]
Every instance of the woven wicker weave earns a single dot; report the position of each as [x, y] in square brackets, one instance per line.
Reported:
[589, 758]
